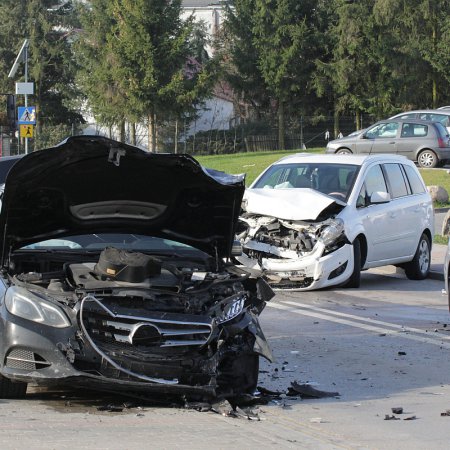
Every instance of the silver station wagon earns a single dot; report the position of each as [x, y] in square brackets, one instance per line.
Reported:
[428, 143]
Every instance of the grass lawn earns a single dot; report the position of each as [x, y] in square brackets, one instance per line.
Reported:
[251, 164]
[254, 163]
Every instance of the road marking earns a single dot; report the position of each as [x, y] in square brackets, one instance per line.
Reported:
[363, 319]
[354, 323]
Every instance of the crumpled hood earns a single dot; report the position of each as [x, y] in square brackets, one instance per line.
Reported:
[288, 204]
[90, 184]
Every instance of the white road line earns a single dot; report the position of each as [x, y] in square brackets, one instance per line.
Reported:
[363, 326]
[364, 319]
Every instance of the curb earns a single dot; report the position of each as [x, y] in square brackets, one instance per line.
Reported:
[441, 210]
[436, 275]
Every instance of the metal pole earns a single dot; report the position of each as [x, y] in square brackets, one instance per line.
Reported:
[25, 55]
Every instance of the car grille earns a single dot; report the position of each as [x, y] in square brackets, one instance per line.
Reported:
[129, 329]
[25, 360]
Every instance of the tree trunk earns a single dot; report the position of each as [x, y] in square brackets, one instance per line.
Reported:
[336, 122]
[176, 136]
[133, 133]
[358, 120]
[152, 132]
[122, 131]
[281, 143]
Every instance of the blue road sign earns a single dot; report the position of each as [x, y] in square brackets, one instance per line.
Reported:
[27, 115]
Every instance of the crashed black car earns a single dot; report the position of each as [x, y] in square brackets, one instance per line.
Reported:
[116, 274]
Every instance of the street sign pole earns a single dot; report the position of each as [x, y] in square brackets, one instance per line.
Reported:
[25, 56]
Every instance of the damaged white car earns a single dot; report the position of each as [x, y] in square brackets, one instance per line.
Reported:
[312, 221]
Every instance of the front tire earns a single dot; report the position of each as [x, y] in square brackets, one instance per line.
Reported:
[355, 278]
[10, 389]
[427, 159]
[344, 151]
[419, 267]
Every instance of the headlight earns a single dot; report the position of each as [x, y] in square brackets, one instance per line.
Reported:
[232, 309]
[23, 303]
[332, 232]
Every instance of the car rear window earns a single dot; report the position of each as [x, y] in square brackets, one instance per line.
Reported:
[442, 118]
[414, 180]
[442, 130]
[396, 180]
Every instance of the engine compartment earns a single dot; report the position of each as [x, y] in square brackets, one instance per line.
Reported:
[264, 236]
[170, 284]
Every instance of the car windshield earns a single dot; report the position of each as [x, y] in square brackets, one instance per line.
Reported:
[99, 241]
[335, 180]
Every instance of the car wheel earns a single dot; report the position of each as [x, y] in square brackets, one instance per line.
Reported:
[419, 267]
[10, 389]
[343, 151]
[427, 159]
[355, 278]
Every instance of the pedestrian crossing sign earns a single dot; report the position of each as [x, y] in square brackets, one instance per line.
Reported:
[26, 131]
[26, 115]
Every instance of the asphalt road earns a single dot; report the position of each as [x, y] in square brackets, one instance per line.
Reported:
[384, 345]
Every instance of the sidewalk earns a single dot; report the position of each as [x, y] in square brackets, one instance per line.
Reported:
[437, 261]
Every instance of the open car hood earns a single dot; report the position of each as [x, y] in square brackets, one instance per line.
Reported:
[91, 184]
[290, 204]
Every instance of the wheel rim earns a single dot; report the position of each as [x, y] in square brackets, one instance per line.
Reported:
[343, 152]
[424, 256]
[426, 159]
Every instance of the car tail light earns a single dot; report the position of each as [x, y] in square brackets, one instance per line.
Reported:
[442, 142]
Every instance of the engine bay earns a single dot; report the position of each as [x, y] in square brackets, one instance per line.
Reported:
[170, 284]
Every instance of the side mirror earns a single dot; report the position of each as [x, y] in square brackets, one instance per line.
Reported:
[380, 197]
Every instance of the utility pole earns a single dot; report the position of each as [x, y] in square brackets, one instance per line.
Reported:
[22, 56]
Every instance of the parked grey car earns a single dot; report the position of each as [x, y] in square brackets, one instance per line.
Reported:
[428, 143]
[441, 115]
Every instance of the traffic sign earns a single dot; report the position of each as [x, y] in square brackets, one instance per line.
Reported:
[26, 131]
[27, 115]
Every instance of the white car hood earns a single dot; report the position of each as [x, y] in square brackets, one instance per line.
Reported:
[288, 204]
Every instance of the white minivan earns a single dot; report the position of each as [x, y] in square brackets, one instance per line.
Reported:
[312, 221]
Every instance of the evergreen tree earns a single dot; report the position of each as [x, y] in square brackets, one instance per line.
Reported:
[49, 26]
[286, 37]
[239, 56]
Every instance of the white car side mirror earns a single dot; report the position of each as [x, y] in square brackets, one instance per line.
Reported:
[380, 197]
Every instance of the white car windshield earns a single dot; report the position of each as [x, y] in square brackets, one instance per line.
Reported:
[335, 180]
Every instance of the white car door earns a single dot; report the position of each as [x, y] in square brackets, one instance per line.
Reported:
[382, 222]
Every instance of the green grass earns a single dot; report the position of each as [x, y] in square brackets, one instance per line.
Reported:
[439, 239]
[433, 177]
[252, 164]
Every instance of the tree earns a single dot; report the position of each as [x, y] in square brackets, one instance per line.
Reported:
[99, 66]
[273, 45]
[49, 26]
[420, 39]
[239, 57]
[137, 62]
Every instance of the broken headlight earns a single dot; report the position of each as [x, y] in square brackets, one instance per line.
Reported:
[23, 303]
[332, 232]
[232, 309]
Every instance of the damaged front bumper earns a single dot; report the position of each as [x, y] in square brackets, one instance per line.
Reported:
[314, 270]
[49, 356]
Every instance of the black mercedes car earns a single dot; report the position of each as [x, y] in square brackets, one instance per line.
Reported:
[116, 275]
